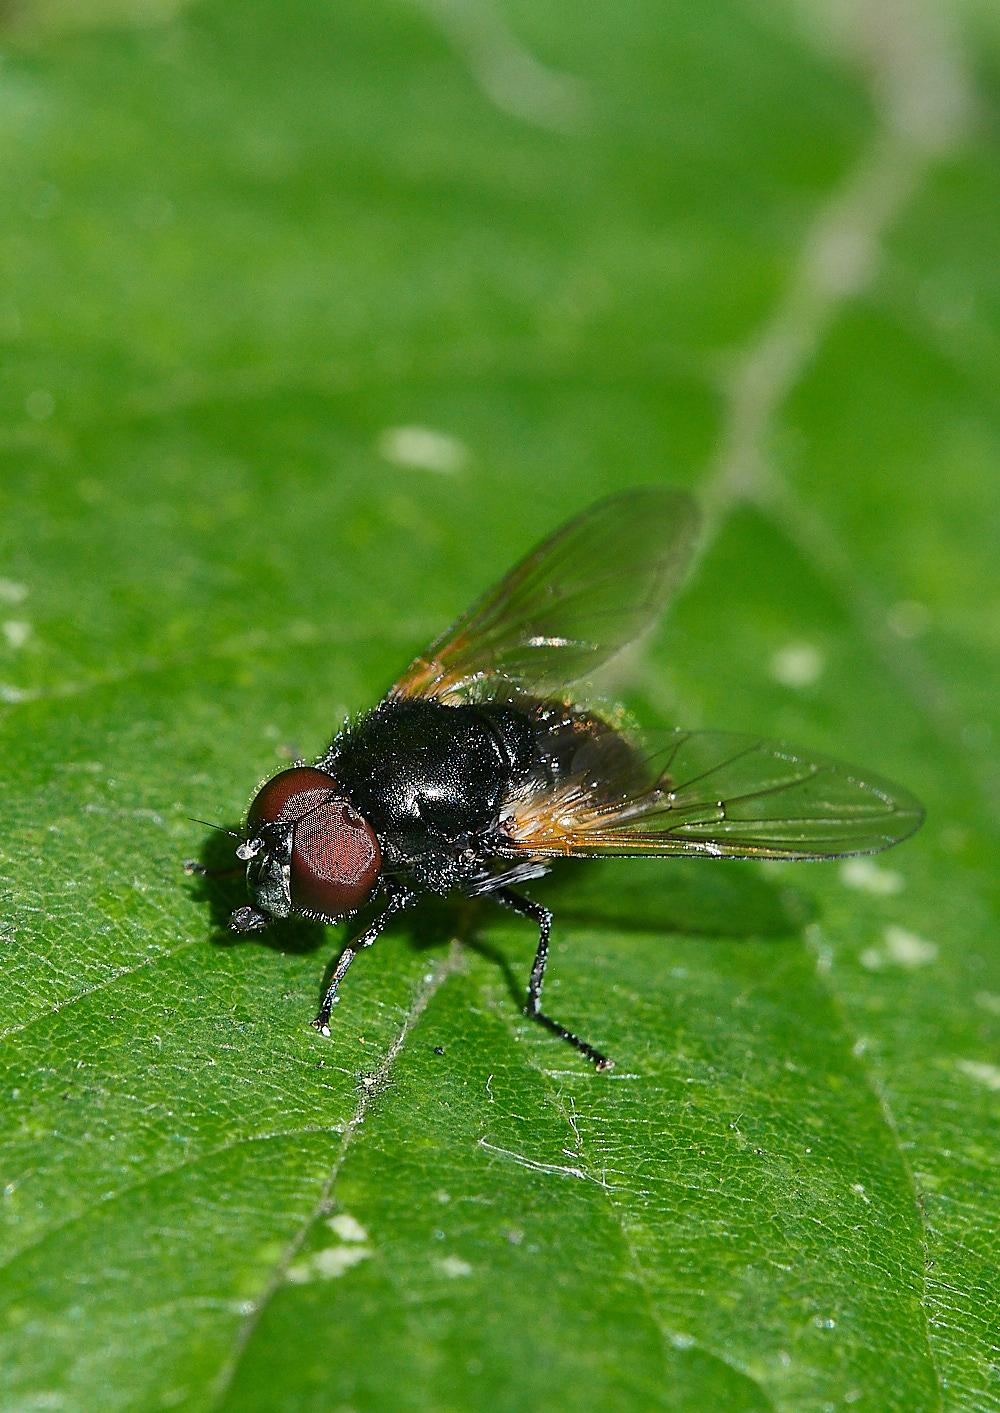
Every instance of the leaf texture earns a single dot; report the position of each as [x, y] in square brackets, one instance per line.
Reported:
[315, 320]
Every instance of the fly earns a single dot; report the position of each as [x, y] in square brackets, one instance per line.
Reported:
[485, 762]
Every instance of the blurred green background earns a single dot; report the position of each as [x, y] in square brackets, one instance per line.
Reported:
[314, 317]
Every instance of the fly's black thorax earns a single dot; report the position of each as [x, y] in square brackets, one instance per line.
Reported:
[430, 779]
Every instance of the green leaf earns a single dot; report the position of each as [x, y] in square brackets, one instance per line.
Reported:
[748, 250]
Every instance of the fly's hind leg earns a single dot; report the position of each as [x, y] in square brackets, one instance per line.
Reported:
[526, 908]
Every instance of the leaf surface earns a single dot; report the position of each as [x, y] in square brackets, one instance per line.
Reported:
[245, 247]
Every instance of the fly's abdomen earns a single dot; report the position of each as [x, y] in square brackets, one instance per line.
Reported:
[575, 745]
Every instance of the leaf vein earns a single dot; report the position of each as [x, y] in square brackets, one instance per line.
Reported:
[370, 1086]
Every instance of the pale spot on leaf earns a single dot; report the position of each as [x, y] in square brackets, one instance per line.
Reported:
[798, 665]
[347, 1228]
[327, 1264]
[988, 1075]
[455, 1267]
[422, 448]
[908, 949]
[868, 876]
[17, 632]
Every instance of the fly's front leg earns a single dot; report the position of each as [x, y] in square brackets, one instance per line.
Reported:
[398, 900]
[192, 866]
[526, 908]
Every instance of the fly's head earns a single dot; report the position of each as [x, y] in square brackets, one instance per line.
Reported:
[307, 851]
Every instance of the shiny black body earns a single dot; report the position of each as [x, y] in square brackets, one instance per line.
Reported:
[483, 763]
[431, 780]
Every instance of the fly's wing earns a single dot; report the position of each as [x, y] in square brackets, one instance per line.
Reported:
[709, 792]
[592, 587]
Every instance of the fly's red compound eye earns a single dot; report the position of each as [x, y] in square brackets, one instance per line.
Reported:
[289, 796]
[336, 859]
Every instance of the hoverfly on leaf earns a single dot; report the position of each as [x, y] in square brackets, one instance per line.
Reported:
[485, 762]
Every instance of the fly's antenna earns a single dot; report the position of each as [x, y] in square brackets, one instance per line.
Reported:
[231, 832]
[192, 866]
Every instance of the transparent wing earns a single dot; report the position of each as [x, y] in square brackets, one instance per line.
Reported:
[592, 587]
[709, 792]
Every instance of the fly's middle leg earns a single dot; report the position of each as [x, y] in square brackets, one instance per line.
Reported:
[526, 908]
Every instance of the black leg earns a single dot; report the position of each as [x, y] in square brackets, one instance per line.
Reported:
[543, 917]
[397, 902]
